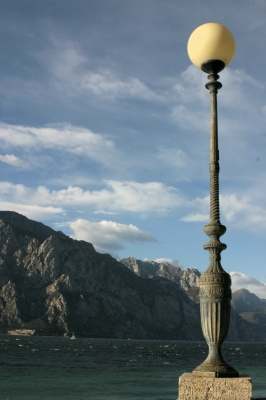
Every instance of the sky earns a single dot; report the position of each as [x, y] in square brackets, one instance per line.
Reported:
[105, 124]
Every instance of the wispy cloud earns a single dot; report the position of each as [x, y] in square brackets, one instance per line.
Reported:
[200, 207]
[60, 137]
[141, 198]
[71, 71]
[196, 217]
[232, 205]
[15, 161]
[107, 86]
[241, 211]
[240, 101]
[108, 235]
[188, 118]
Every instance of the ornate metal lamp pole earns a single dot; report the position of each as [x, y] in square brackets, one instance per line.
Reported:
[211, 47]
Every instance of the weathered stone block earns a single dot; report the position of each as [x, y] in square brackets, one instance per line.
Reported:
[203, 388]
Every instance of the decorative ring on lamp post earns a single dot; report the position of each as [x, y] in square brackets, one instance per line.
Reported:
[211, 48]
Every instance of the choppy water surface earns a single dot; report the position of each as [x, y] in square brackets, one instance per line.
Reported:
[35, 368]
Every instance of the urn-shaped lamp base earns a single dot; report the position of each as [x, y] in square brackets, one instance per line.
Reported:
[214, 365]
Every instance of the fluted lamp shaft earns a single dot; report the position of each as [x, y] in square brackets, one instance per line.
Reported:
[215, 291]
[211, 47]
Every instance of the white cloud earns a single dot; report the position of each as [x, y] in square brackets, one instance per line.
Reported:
[238, 104]
[14, 192]
[231, 205]
[143, 198]
[63, 59]
[196, 217]
[189, 100]
[76, 140]
[202, 210]
[189, 88]
[240, 211]
[31, 211]
[108, 235]
[234, 83]
[243, 212]
[13, 160]
[115, 197]
[107, 86]
[70, 71]
[240, 280]
[104, 212]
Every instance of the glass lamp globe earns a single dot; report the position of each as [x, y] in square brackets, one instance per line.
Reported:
[211, 42]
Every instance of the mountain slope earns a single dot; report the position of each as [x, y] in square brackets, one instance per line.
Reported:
[242, 327]
[250, 307]
[53, 283]
[187, 279]
[243, 301]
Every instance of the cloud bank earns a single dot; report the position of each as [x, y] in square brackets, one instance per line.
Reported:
[116, 196]
[242, 212]
[59, 137]
[109, 236]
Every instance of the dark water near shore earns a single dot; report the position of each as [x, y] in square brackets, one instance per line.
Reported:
[52, 368]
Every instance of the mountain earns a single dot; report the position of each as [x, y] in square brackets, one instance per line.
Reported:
[187, 279]
[241, 327]
[54, 284]
[250, 307]
[243, 301]
[51, 283]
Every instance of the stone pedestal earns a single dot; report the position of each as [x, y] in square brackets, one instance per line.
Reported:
[203, 388]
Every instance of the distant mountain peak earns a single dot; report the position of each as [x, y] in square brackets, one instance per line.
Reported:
[243, 301]
[187, 279]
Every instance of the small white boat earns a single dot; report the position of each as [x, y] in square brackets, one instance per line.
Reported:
[73, 336]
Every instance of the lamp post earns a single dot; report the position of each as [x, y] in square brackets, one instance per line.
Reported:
[211, 47]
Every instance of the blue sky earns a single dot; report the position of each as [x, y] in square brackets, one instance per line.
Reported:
[104, 127]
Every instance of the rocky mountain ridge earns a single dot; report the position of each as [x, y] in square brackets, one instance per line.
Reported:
[53, 284]
[187, 279]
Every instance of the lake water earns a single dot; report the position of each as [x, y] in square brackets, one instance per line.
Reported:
[53, 368]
